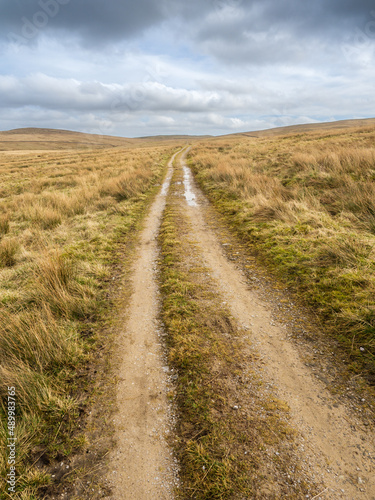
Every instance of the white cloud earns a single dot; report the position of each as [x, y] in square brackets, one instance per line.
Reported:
[59, 93]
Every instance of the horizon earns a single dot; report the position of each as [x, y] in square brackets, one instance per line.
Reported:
[297, 125]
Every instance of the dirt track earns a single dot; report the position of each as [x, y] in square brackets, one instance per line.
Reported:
[142, 466]
[331, 441]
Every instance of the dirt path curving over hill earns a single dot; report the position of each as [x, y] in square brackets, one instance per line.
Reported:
[341, 453]
[142, 466]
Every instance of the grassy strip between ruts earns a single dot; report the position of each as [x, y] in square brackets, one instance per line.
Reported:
[233, 437]
[76, 216]
[305, 205]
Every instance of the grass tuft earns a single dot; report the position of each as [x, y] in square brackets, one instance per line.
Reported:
[36, 339]
[57, 283]
[4, 224]
[9, 248]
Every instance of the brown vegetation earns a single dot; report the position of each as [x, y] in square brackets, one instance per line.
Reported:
[62, 217]
[306, 203]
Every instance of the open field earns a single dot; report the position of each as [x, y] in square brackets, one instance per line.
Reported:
[218, 342]
[306, 205]
[63, 217]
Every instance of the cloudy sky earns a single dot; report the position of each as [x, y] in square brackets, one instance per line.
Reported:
[149, 67]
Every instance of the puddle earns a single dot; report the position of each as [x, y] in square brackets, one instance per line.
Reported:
[165, 187]
[189, 195]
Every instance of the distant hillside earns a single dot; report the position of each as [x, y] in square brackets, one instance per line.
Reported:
[50, 139]
[174, 137]
[42, 139]
[309, 127]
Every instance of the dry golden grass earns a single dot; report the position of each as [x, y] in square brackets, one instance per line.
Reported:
[4, 224]
[306, 202]
[62, 217]
[8, 251]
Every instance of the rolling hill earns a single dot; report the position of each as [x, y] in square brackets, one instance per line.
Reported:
[43, 139]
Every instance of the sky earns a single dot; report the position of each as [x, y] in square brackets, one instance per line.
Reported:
[156, 67]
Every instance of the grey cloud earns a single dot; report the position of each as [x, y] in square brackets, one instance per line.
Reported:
[270, 31]
[330, 16]
[97, 21]
[357, 10]
[102, 21]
